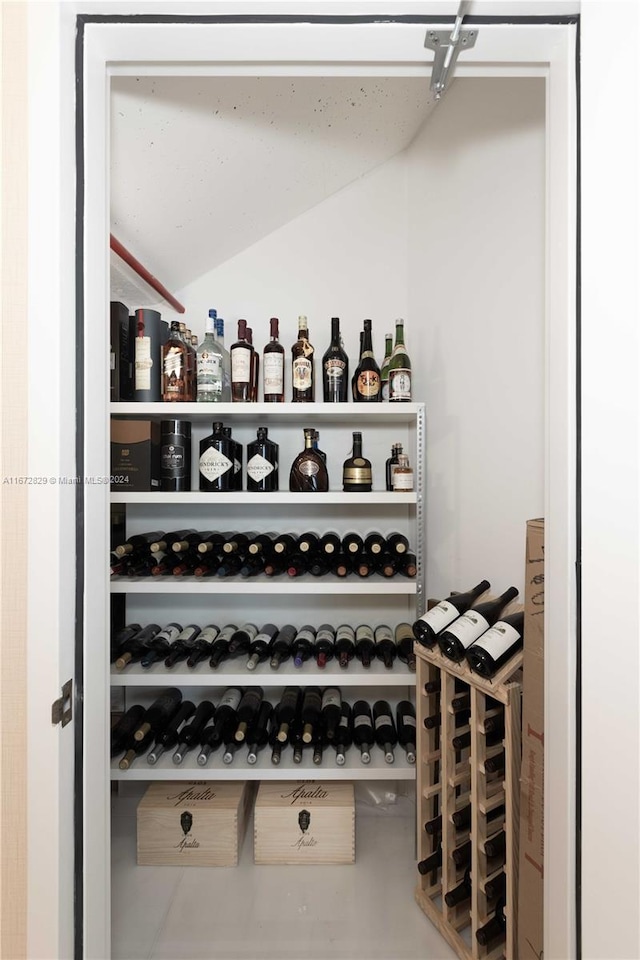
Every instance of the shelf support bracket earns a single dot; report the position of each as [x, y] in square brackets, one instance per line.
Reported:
[447, 48]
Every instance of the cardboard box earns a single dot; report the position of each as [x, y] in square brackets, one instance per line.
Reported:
[531, 867]
[193, 823]
[135, 455]
[304, 822]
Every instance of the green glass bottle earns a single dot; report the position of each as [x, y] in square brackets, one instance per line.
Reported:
[384, 370]
[399, 368]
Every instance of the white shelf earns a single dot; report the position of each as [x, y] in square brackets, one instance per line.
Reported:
[263, 769]
[305, 585]
[230, 673]
[334, 497]
[273, 412]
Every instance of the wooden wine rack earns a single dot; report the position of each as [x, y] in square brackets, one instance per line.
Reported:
[449, 779]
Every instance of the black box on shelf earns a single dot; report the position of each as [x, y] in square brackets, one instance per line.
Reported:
[135, 455]
[121, 354]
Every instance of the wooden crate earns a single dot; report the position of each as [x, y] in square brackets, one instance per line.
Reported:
[304, 822]
[197, 823]
[449, 779]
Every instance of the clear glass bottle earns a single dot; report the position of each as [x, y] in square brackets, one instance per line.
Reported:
[209, 365]
[174, 366]
[302, 372]
[308, 470]
[273, 367]
[226, 360]
[384, 369]
[399, 368]
[402, 478]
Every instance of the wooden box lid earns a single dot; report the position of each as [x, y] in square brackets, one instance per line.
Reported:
[196, 794]
[307, 793]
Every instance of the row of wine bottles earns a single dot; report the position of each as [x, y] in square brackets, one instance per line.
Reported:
[174, 644]
[479, 630]
[154, 362]
[210, 553]
[303, 718]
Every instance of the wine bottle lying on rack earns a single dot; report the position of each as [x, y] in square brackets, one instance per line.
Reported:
[427, 628]
[497, 645]
[167, 738]
[190, 734]
[456, 639]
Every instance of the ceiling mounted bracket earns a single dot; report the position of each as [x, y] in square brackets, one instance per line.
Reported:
[447, 47]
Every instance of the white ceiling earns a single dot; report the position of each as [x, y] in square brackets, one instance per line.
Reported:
[203, 167]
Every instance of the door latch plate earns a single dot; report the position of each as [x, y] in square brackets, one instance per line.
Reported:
[62, 709]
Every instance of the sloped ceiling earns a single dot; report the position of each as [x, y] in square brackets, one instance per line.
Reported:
[203, 167]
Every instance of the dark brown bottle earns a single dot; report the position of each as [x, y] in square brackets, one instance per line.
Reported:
[125, 727]
[356, 469]
[439, 617]
[241, 354]
[159, 713]
[302, 371]
[273, 367]
[430, 863]
[335, 368]
[308, 470]
[176, 363]
[255, 368]
[494, 928]
[367, 385]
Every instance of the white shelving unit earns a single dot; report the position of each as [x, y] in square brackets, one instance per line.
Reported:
[372, 600]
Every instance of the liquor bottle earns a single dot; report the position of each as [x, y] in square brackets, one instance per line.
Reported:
[175, 456]
[191, 364]
[259, 733]
[176, 363]
[354, 378]
[356, 469]
[310, 712]
[465, 630]
[385, 731]
[216, 461]
[343, 736]
[226, 360]
[255, 368]
[385, 645]
[391, 463]
[135, 748]
[303, 646]
[219, 649]
[406, 728]
[496, 846]
[241, 640]
[280, 648]
[138, 542]
[302, 372]
[273, 367]
[247, 711]
[288, 709]
[365, 644]
[262, 463]
[324, 645]
[159, 713]
[397, 543]
[367, 378]
[260, 645]
[335, 368]
[399, 368]
[316, 445]
[431, 862]
[384, 369]
[496, 887]
[308, 470]
[183, 645]
[329, 543]
[209, 365]
[167, 738]
[241, 354]
[403, 637]
[402, 475]
[497, 645]
[374, 544]
[137, 646]
[202, 644]
[161, 644]
[494, 928]
[345, 645]
[363, 734]
[190, 734]
[121, 640]
[308, 543]
[297, 565]
[125, 727]
[439, 617]
[226, 719]
[460, 893]
[331, 711]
